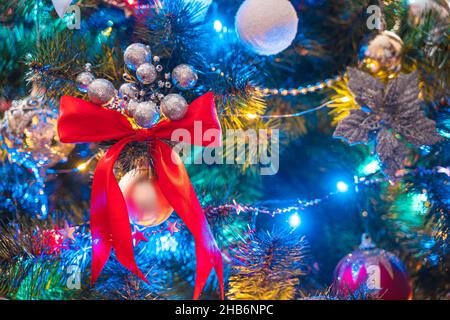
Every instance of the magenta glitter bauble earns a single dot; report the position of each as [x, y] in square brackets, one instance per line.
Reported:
[376, 270]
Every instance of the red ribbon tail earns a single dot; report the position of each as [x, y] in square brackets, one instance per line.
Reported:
[100, 229]
[218, 266]
[110, 223]
[206, 262]
[100, 255]
[174, 183]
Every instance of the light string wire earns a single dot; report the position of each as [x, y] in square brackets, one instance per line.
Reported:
[81, 167]
[292, 115]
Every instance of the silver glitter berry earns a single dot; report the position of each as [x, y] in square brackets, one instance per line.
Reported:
[184, 77]
[146, 114]
[101, 91]
[128, 90]
[136, 54]
[131, 107]
[159, 68]
[168, 85]
[146, 73]
[161, 84]
[174, 107]
[83, 80]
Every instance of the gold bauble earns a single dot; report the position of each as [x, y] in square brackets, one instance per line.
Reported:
[383, 55]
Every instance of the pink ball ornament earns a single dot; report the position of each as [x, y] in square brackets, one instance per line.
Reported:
[376, 270]
[147, 206]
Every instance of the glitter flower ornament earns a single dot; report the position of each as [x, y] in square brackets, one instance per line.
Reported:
[390, 115]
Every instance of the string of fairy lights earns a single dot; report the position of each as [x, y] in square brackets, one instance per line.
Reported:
[302, 90]
[271, 208]
[297, 206]
[294, 208]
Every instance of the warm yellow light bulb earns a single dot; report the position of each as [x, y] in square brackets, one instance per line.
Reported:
[107, 32]
[82, 167]
[346, 99]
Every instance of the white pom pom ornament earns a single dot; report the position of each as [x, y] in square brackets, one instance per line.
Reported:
[267, 27]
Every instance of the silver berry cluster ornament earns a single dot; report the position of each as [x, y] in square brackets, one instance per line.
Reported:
[136, 55]
[146, 73]
[146, 95]
[101, 91]
[184, 77]
[146, 114]
[131, 107]
[128, 91]
[174, 107]
[84, 79]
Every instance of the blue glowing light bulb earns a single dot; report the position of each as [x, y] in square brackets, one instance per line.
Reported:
[294, 220]
[422, 197]
[342, 186]
[371, 167]
[218, 26]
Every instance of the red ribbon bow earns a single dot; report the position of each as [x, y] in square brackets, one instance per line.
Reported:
[81, 121]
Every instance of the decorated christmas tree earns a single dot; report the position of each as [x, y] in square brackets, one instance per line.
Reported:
[224, 149]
